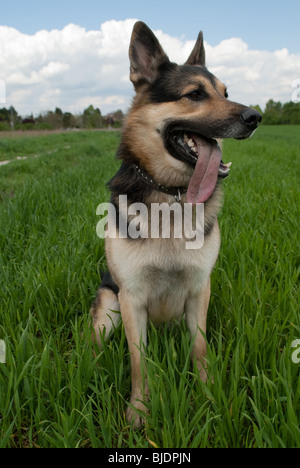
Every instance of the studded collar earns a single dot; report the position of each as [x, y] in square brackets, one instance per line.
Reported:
[175, 191]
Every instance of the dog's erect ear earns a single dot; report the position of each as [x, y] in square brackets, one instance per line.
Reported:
[146, 55]
[197, 56]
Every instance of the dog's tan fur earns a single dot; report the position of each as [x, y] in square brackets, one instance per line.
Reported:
[159, 279]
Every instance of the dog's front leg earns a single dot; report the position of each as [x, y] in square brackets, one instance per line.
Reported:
[196, 314]
[134, 316]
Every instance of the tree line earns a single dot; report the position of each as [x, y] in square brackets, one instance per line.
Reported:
[275, 113]
[91, 118]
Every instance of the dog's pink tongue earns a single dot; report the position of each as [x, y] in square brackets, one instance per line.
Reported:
[204, 179]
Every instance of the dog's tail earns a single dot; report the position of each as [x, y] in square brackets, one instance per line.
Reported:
[105, 310]
[108, 283]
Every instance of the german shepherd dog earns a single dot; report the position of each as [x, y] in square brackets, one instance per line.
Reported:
[170, 154]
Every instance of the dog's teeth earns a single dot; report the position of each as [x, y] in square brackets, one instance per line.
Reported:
[185, 140]
[227, 166]
[191, 143]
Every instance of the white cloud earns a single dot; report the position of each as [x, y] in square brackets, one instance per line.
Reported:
[53, 69]
[72, 68]
[254, 76]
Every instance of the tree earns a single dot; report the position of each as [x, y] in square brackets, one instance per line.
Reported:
[58, 112]
[92, 117]
[272, 114]
[276, 113]
[4, 115]
[9, 116]
[49, 120]
[291, 113]
[273, 106]
[68, 120]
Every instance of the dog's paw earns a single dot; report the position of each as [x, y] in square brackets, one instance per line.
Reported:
[136, 413]
[205, 376]
[203, 373]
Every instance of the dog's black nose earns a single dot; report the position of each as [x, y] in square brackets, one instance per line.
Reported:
[251, 117]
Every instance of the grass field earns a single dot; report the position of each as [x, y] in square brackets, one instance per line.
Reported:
[55, 393]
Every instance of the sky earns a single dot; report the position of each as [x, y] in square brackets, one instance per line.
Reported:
[73, 53]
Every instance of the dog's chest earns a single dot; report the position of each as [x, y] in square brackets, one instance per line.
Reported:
[166, 291]
[161, 274]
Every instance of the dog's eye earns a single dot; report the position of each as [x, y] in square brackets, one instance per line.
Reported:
[226, 94]
[195, 95]
[199, 94]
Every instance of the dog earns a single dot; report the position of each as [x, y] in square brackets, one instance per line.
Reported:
[170, 152]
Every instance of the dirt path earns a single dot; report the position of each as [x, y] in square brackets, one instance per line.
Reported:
[20, 158]
[35, 133]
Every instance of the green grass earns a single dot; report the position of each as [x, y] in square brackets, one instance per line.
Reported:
[18, 145]
[55, 393]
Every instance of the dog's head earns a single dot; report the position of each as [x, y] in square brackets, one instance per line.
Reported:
[179, 114]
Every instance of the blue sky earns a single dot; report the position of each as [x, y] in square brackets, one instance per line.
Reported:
[73, 53]
[262, 24]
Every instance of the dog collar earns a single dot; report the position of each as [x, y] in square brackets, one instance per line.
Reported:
[174, 191]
